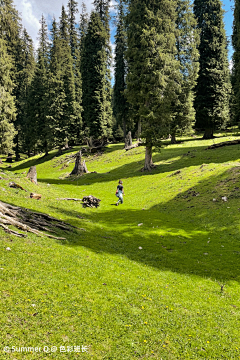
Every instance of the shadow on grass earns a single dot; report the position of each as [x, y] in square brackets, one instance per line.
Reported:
[189, 234]
[40, 160]
[169, 160]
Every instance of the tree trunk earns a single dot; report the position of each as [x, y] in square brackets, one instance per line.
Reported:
[139, 129]
[148, 166]
[208, 134]
[9, 158]
[46, 148]
[128, 140]
[17, 149]
[173, 138]
[124, 128]
[80, 167]
[32, 174]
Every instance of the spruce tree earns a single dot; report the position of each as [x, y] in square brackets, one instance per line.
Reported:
[10, 29]
[84, 20]
[38, 129]
[213, 85]
[236, 64]
[25, 77]
[153, 69]
[120, 105]
[76, 129]
[56, 90]
[102, 7]
[183, 114]
[7, 107]
[94, 66]
[71, 114]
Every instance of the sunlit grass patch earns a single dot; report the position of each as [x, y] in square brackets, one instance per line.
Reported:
[156, 277]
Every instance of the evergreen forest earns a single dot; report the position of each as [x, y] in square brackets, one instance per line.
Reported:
[169, 75]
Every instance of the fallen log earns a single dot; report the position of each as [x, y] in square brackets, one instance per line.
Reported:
[226, 143]
[12, 184]
[73, 199]
[29, 221]
[133, 146]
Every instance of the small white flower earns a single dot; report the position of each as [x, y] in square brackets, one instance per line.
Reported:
[33, 305]
[8, 249]
[140, 248]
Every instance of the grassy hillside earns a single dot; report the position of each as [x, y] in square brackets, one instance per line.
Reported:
[125, 290]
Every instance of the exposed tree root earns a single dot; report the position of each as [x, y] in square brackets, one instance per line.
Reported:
[29, 221]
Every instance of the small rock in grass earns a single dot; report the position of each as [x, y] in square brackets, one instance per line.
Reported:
[205, 254]
[140, 248]
[214, 199]
[8, 249]
[140, 224]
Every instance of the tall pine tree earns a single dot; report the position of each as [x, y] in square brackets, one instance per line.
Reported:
[120, 105]
[152, 78]
[71, 116]
[94, 67]
[7, 107]
[56, 90]
[236, 64]
[25, 77]
[102, 7]
[75, 52]
[38, 129]
[183, 114]
[213, 85]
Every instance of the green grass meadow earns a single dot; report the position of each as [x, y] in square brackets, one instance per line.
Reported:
[138, 281]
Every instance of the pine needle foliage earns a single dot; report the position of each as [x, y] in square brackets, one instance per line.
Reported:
[153, 74]
[236, 64]
[183, 116]
[7, 107]
[120, 105]
[213, 85]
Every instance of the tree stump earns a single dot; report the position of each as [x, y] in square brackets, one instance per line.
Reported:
[32, 174]
[80, 167]
[9, 158]
[128, 140]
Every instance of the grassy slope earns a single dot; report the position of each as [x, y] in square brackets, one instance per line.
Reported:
[161, 301]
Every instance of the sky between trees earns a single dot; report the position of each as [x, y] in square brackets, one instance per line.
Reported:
[32, 10]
